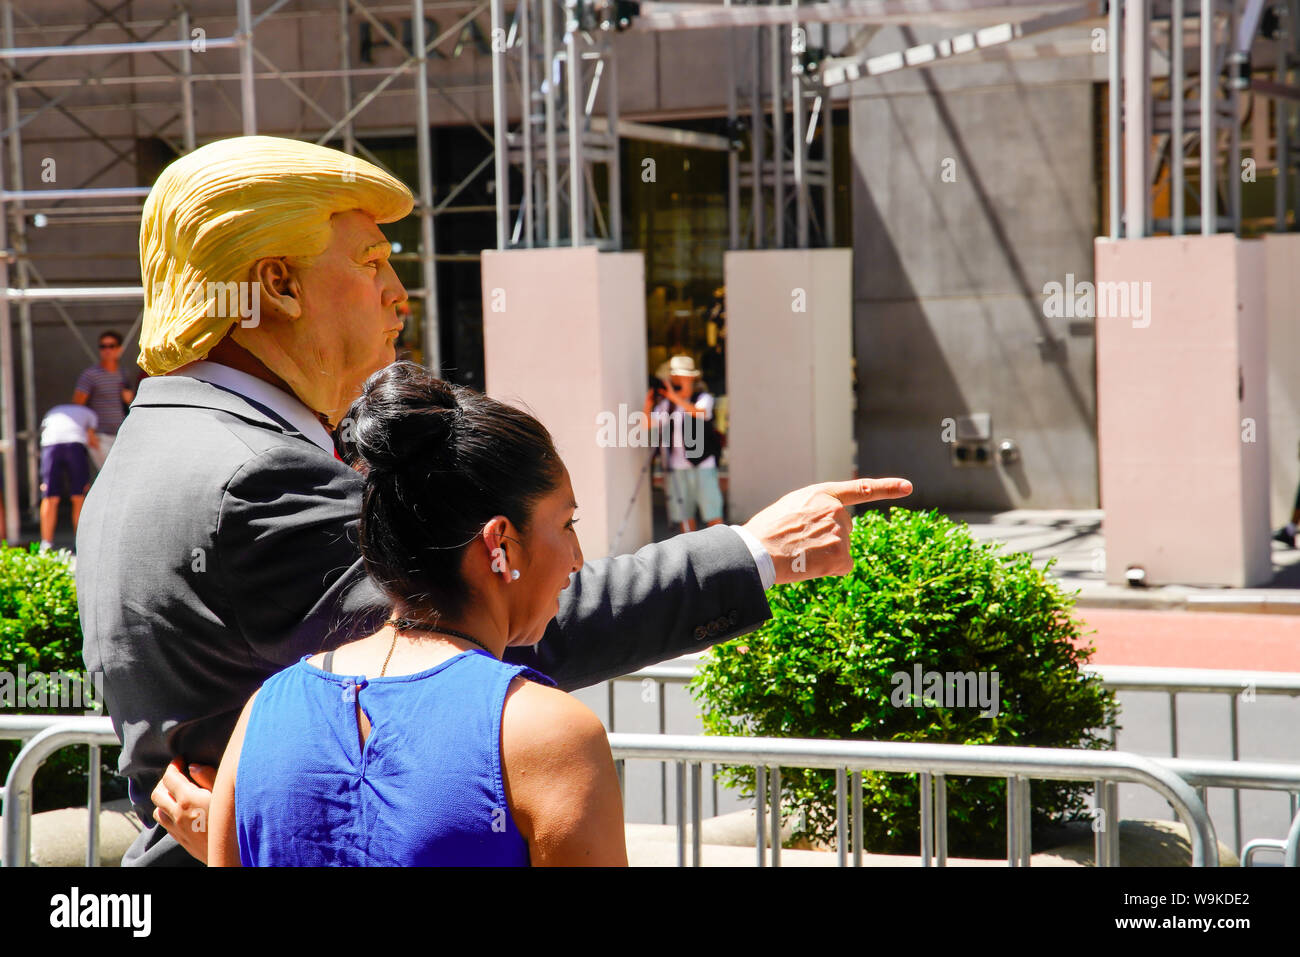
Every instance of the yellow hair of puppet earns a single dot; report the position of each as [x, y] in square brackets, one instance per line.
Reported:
[215, 212]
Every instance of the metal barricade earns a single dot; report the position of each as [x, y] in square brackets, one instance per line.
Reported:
[1177, 779]
[44, 735]
[1106, 769]
[1176, 681]
[1171, 681]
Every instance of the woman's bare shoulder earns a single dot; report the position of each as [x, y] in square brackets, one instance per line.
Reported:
[538, 718]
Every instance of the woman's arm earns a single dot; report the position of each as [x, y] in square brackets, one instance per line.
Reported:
[560, 779]
[223, 839]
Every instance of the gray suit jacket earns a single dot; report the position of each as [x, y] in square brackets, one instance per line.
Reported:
[218, 546]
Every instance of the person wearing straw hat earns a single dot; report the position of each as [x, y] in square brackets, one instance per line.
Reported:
[692, 483]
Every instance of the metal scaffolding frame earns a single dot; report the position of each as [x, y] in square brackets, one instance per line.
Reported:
[789, 83]
[52, 94]
[1197, 121]
[785, 115]
[531, 70]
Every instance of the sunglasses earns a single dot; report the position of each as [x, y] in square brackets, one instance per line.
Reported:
[108, 345]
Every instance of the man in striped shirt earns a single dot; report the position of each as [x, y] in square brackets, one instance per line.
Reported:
[103, 388]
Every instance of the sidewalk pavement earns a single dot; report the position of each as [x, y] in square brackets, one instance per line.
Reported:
[1074, 538]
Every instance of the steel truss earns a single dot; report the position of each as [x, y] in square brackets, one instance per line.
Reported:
[1196, 122]
[168, 42]
[788, 170]
[787, 89]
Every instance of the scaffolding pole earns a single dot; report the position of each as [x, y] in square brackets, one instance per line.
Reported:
[8, 420]
[26, 340]
[429, 332]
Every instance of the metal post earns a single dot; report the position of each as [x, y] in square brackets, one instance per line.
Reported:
[775, 784]
[841, 816]
[552, 136]
[1099, 843]
[760, 802]
[733, 155]
[1209, 206]
[1177, 104]
[345, 70]
[92, 807]
[1232, 177]
[1285, 40]
[927, 820]
[26, 344]
[828, 153]
[247, 99]
[1137, 140]
[499, 132]
[428, 262]
[615, 155]
[609, 693]
[941, 818]
[573, 67]
[663, 791]
[526, 117]
[778, 137]
[187, 81]
[1112, 831]
[1115, 117]
[681, 813]
[1236, 792]
[757, 146]
[1013, 824]
[695, 814]
[1026, 823]
[858, 829]
[8, 419]
[797, 140]
[619, 767]
[1173, 724]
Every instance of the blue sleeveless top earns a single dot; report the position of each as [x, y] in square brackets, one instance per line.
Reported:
[426, 789]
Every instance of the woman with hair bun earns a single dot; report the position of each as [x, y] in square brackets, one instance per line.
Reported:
[417, 745]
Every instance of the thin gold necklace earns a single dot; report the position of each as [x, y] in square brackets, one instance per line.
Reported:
[407, 624]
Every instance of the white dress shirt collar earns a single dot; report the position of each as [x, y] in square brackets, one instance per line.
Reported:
[289, 407]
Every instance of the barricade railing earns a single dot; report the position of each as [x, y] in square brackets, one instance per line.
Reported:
[1178, 780]
[933, 763]
[1171, 681]
[45, 734]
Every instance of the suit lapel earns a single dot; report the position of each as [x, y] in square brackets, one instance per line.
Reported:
[186, 391]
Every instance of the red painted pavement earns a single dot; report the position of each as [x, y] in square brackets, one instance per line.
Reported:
[1190, 639]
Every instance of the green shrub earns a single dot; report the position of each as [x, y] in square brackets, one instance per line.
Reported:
[40, 631]
[922, 591]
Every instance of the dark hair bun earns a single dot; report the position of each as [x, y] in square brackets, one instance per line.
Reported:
[403, 415]
[440, 460]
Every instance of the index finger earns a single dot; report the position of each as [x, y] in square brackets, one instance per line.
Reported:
[858, 491]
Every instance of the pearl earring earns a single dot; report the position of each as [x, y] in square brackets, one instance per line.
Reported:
[514, 576]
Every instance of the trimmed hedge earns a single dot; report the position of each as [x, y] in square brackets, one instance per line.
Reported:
[41, 632]
[840, 655]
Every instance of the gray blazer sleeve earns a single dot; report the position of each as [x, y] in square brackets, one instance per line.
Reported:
[668, 599]
[288, 557]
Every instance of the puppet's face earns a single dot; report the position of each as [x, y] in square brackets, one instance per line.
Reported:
[328, 325]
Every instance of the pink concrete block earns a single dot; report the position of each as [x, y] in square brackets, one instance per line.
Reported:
[1182, 409]
[564, 336]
